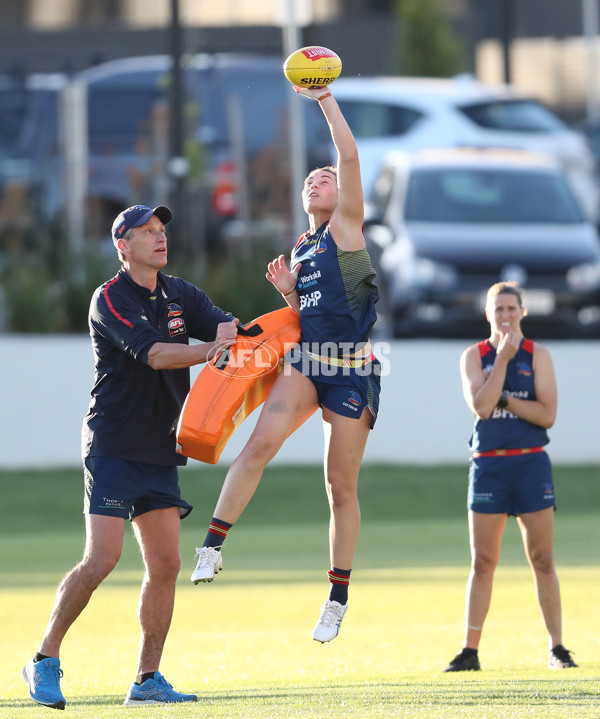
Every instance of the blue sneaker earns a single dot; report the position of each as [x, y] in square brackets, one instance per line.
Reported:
[42, 679]
[156, 691]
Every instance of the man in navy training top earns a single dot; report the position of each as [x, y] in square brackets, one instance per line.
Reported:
[140, 324]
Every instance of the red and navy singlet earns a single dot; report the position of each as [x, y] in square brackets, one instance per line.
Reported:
[503, 429]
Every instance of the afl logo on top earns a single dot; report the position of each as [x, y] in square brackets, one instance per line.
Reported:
[176, 326]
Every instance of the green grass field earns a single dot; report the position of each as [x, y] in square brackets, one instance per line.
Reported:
[243, 642]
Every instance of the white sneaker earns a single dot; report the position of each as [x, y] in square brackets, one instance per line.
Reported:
[209, 563]
[328, 626]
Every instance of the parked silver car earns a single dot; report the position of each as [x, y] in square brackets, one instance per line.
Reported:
[415, 113]
[444, 225]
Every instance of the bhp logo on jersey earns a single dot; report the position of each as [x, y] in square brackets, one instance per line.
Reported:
[310, 300]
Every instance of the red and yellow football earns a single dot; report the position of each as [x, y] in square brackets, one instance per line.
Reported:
[312, 66]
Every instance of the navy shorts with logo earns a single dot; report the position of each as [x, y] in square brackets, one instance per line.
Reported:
[349, 392]
[350, 400]
[120, 488]
[510, 485]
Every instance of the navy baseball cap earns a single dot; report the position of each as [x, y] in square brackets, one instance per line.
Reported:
[136, 216]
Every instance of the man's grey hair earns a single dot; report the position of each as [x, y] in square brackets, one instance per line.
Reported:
[126, 236]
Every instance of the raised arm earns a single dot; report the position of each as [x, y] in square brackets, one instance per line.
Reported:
[480, 391]
[347, 220]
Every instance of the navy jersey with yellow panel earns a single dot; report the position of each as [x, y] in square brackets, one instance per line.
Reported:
[336, 288]
[503, 429]
[337, 312]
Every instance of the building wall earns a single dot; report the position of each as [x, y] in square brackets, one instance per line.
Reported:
[46, 380]
[556, 70]
[530, 18]
[549, 58]
[143, 14]
[68, 50]
[51, 14]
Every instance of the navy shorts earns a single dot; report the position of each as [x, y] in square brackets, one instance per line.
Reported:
[120, 488]
[346, 392]
[511, 485]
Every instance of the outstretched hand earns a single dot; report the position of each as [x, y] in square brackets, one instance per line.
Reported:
[313, 92]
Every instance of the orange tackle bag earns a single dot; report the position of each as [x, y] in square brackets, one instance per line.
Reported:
[234, 383]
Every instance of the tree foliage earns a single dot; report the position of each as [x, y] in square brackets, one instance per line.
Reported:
[428, 45]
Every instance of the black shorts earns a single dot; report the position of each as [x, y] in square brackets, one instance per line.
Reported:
[120, 488]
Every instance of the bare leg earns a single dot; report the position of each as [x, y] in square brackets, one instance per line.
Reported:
[345, 440]
[537, 530]
[157, 533]
[290, 403]
[104, 542]
[485, 531]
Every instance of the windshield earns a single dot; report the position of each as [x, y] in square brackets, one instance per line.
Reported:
[501, 196]
[121, 110]
[258, 95]
[514, 116]
[13, 110]
[377, 119]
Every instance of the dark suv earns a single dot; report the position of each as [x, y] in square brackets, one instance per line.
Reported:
[444, 225]
[29, 145]
[236, 114]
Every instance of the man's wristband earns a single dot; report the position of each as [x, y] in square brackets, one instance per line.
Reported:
[503, 401]
[323, 96]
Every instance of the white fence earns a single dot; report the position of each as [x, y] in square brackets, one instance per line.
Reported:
[45, 383]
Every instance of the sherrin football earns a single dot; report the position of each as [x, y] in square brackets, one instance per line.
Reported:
[312, 66]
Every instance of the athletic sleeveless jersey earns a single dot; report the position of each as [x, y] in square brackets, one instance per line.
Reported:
[336, 289]
[503, 429]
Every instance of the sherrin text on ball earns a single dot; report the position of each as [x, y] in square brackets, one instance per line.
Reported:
[312, 66]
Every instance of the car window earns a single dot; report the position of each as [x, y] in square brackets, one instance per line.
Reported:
[261, 98]
[120, 109]
[382, 191]
[377, 119]
[27, 119]
[28, 129]
[467, 195]
[592, 133]
[513, 116]
[121, 106]
[13, 109]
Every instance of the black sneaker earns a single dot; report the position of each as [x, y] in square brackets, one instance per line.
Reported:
[560, 658]
[464, 661]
